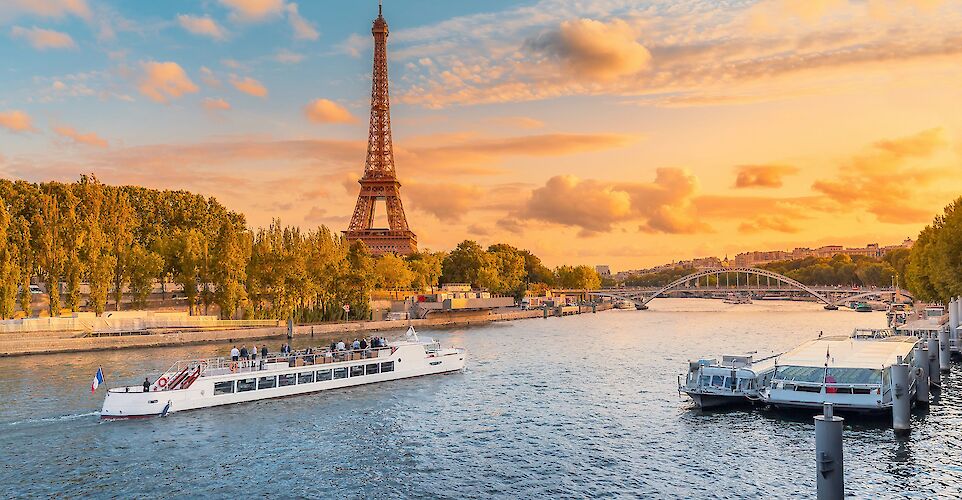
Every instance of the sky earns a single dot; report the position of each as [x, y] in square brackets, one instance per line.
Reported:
[620, 132]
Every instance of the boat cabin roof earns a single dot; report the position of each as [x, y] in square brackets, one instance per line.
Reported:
[921, 325]
[846, 352]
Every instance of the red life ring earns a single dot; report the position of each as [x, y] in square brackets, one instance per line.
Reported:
[233, 367]
[162, 382]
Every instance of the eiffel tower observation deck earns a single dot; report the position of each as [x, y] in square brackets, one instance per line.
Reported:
[379, 182]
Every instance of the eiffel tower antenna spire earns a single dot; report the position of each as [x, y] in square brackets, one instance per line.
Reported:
[379, 182]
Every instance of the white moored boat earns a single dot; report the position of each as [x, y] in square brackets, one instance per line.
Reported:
[852, 372]
[203, 383]
[736, 380]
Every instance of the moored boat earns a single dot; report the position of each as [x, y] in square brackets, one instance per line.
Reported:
[852, 372]
[203, 383]
[736, 380]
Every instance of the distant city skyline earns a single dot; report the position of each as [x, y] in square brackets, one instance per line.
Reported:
[613, 132]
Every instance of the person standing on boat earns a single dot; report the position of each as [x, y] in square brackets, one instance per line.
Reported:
[244, 355]
[263, 355]
[340, 345]
[356, 345]
[234, 354]
[362, 344]
[146, 384]
[253, 356]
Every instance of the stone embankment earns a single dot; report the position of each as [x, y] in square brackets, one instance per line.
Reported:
[61, 342]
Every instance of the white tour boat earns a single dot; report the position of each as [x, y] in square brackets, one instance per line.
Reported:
[203, 383]
[733, 298]
[736, 380]
[852, 372]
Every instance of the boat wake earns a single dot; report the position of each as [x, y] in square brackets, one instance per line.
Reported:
[61, 418]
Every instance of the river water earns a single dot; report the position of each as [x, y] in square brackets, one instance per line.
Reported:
[580, 406]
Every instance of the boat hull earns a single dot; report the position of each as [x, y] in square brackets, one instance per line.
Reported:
[123, 403]
[709, 401]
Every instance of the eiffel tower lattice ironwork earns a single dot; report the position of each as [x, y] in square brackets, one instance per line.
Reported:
[379, 181]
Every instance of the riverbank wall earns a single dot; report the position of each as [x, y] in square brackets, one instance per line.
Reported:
[64, 342]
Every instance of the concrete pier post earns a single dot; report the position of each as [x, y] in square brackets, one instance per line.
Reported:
[922, 365]
[828, 455]
[953, 315]
[901, 399]
[935, 376]
[945, 355]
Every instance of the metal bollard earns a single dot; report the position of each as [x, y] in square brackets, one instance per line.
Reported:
[922, 383]
[828, 455]
[945, 355]
[901, 399]
[934, 375]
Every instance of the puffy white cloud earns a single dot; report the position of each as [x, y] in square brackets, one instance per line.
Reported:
[202, 25]
[162, 81]
[328, 111]
[249, 86]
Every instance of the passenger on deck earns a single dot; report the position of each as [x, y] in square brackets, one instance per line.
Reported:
[356, 344]
[333, 346]
[340, 345]
[244, 355]
[253, 355]
[362, 344]
[263, 356]
[234, 354]
[146, 384]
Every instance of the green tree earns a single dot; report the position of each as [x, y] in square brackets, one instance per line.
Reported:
[187, 248]
[509, 266]
[119, 222]
[427, 268]
[232, 250]
[9, 272]
[48, 246]
[143, 267]
[393, 273]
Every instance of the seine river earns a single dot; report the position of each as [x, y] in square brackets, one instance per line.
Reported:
[582, 406]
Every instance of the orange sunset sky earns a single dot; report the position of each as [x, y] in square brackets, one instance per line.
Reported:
[628, 133]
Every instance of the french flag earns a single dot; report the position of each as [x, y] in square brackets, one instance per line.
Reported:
[98, 379]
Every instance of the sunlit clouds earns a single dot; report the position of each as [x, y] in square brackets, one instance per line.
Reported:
[162, 81]
[599, 132]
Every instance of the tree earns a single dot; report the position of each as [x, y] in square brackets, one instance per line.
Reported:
[143, 267]
[119, 221]
[427, 268]
[899, 260]
[535, 270]
[232, 250]
[187, 247]
[393, 273]
[9, 272]
[580, 277]
[48, 246]
[508, 264]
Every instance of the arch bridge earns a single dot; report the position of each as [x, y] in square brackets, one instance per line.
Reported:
[742, 281]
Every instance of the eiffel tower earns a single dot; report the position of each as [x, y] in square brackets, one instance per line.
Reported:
[380, 180]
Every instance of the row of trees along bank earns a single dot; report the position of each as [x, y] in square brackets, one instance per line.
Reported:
[934, 271]
[88, 242]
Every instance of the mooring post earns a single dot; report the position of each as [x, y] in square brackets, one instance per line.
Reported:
[935, 376]
[945, 355]
[828, 455]
[922, 382]
[901, 399]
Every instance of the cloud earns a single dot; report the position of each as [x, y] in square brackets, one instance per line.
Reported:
[594, 50]
[253, 10]
[204, 26]
[162, 81]
[249, 86]
[303, 29]
[449, 202]
[466, 150]
[78, 138]
[767, 223]
[285, 56]
[662, 206]
[890, 178]
[521, 122]
[218, 104]
[45, 8]
[209, 78]
[42, 39]
[327, 111]
[765, 176]
[16, 121]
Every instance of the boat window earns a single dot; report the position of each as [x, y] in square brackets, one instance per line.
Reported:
[305, 378]
[854, 375]
[340, 373]
[886, 378]
[704, 381]
[324, 375]
[746, 384]
[372, 369]
[811, 374]
[716, 380]
[387, 366]
[730, 383]
[246, 384]
[267, 382]
[357, 370]
[287, 379]
[224, 387]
